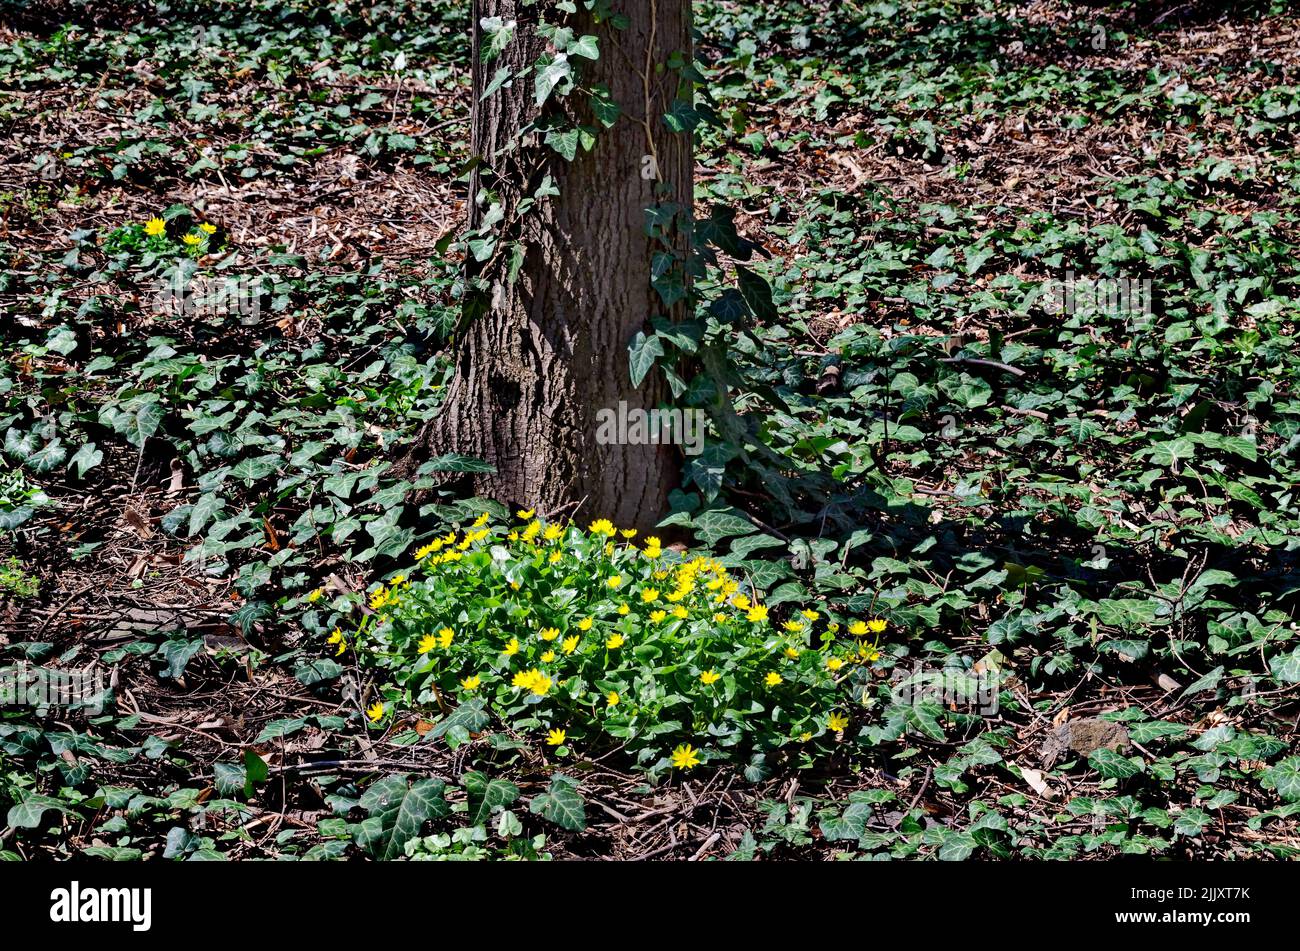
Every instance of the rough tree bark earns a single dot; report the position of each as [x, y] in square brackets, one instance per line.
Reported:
[552, 350]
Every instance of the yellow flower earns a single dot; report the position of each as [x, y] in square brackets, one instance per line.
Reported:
[834, 664]
[719, 618]
[680, 612]
[478, 523]
[471, 683]
[710, 677]
[585, 624]
[628, 533]
[741, 603]
[191, 239]
[805, 737]
[858, 628]
[570, 644]
[550, 633]
[684, 757]
[552, 532]
[773, 679]
[554, 556]
[427, 643]
[375, 712]
[794, 627]
[792, 653]
[657, 616]
[870, 654]
[876, 626]
[833, 628]
[650, 594]
[757, 613]
[525, 514]
[548, 657]
[512, 647]
[207, 228]
[615, 581]
[612, 698]
[652, 549]
[426, 551]
[445, 637]
[810, 615]
[555, 737]
[533, 680]
[623, 609]
[837, 723]
[615, 642]
[335, 637]
[154, 227]
[602, 526]
[315, 595]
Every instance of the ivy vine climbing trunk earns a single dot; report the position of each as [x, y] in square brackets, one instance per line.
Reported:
[540, 355]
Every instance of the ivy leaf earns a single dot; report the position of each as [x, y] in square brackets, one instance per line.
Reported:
[1112, 765]
[470, 717]
[957, 847]
[975, 258]
[318, 671]
[27, 814]
[138, 420]
[603, 106]
[397, 813]
[85, 459]
[1284, 778]
[499, 79]
[1171, 452]
[203, 512]
[564, 142]
[178, 652]
[228, 778]
[276, 729]
[497, 34]
[487, 795]
[456, 462]
[585, 46]
[1286, 667]
[729, 306]
[48, 458]
[757, 293]
[717, 524]
[562, 804]
[548, 77]
[642, 355]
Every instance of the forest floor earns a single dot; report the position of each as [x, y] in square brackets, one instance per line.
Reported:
[1104, 506]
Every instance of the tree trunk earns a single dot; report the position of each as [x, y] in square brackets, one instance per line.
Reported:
[551, 351]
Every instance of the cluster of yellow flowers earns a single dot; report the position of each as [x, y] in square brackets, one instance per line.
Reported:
[443, 639]
[156, 227]
[533, 681]
[674, 591]
[389, 595]
[429, 554]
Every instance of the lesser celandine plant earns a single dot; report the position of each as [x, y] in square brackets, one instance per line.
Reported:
[590, 639]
